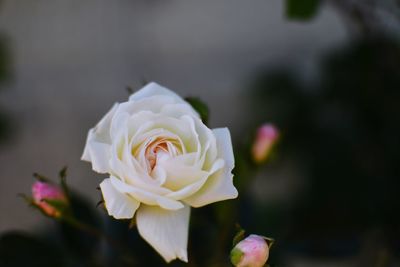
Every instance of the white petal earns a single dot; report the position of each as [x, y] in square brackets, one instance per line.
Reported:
[152, 89]
[224, 144]
[165, 104]
[118, 205]
[180, 175]
[219, 185]
[97, 143]
[179, 110]
[97, 153]
[166, 231]
[146, 197]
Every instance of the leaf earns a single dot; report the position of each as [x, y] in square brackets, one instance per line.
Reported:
[21, 249]
[200, 107]
[302, 9]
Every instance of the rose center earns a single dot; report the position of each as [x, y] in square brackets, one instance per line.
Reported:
[159, 150]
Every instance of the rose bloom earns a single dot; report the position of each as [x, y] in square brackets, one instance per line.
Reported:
[161, 160]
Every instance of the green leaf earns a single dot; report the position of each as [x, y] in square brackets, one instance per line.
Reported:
[302, 9]
[200, 107]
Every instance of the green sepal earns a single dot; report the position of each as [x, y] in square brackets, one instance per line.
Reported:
[60, 205]
[132, 223]
[200, 107]
[239, 235]
[63, 180]
[28, 200]
[32, 203]
[270, 241]
[236, 256]
[41, 178]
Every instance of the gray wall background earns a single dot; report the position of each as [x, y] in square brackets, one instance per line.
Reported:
[73, 59]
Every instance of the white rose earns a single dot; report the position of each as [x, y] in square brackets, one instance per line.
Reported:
[161, 160]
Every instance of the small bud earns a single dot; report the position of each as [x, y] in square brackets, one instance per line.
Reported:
[43, 193]
[253, 251]
[267, 136]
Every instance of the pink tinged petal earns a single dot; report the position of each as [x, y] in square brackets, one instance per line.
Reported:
[166, 231]
[219, 186]
[118, 205]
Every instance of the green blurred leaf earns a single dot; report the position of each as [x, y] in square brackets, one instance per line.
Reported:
[302, 9]
[200, 107]
[21, 249]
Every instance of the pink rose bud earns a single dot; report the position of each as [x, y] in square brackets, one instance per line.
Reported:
[253, 251]
[42, 191]
[267, 136]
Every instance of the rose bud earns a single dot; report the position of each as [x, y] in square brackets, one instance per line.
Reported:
[43, 192]
[253, 251]
[266, 137]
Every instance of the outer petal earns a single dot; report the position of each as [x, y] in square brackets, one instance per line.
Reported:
[97, 153]
[118, 205]
[219, 186]
[97, 148]
[166, 231]
[146, 197]
[156, 92]
[152, 89]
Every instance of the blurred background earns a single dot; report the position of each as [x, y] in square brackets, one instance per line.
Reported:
[327, 73]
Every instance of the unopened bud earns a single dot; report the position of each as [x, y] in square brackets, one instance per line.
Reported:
[253, 251]
[43, 193]
[267, 136]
